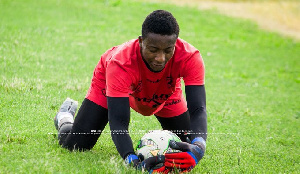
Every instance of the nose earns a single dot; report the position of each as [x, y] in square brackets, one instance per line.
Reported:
[161, 57]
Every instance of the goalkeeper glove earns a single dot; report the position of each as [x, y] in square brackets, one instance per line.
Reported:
[153, 164]
[190, 156]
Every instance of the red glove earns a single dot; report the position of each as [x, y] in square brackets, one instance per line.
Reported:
[189, 157]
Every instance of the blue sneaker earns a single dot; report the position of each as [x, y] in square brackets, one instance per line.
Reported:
[66, 113]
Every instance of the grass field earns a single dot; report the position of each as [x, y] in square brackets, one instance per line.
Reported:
[48, 50]
[282, 16]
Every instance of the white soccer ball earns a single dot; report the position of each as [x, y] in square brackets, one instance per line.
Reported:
[156, 142]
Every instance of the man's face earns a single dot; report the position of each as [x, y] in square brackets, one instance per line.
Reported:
[157, 50]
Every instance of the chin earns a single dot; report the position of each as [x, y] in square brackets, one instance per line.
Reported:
[157, 70]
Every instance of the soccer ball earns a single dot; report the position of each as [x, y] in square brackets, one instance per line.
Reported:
[156, 142]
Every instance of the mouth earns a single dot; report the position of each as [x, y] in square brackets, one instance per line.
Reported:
[158, 67]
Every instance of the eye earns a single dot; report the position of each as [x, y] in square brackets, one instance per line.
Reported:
[153, 50]
[169, 50]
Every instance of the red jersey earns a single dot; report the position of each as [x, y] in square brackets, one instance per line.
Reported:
[121, 72]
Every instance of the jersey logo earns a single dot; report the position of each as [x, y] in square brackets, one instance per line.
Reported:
[170, 82]
[155, 101]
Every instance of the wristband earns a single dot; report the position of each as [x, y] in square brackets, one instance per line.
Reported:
[200, 140]
[130, 158]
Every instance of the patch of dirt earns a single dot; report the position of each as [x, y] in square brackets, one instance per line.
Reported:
[279, 16]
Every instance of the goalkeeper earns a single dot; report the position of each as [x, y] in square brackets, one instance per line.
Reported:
[143, 74]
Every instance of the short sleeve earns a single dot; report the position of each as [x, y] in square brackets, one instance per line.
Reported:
[118, 80]
[193, 71]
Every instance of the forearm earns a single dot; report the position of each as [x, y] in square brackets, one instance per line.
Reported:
[119, 116]
[120, 141]
[199, 124]
[196, 100]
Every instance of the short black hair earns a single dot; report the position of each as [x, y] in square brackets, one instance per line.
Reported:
[160, 22]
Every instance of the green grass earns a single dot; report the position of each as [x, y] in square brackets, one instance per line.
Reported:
[48, 50]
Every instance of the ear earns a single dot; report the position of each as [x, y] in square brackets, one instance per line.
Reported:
[140, 41]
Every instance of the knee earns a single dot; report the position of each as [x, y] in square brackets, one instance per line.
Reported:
[79, 142]
[76, 139]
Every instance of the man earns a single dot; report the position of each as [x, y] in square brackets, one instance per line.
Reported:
[143, 74]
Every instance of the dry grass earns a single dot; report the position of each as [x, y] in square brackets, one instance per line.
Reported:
[279, 16]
